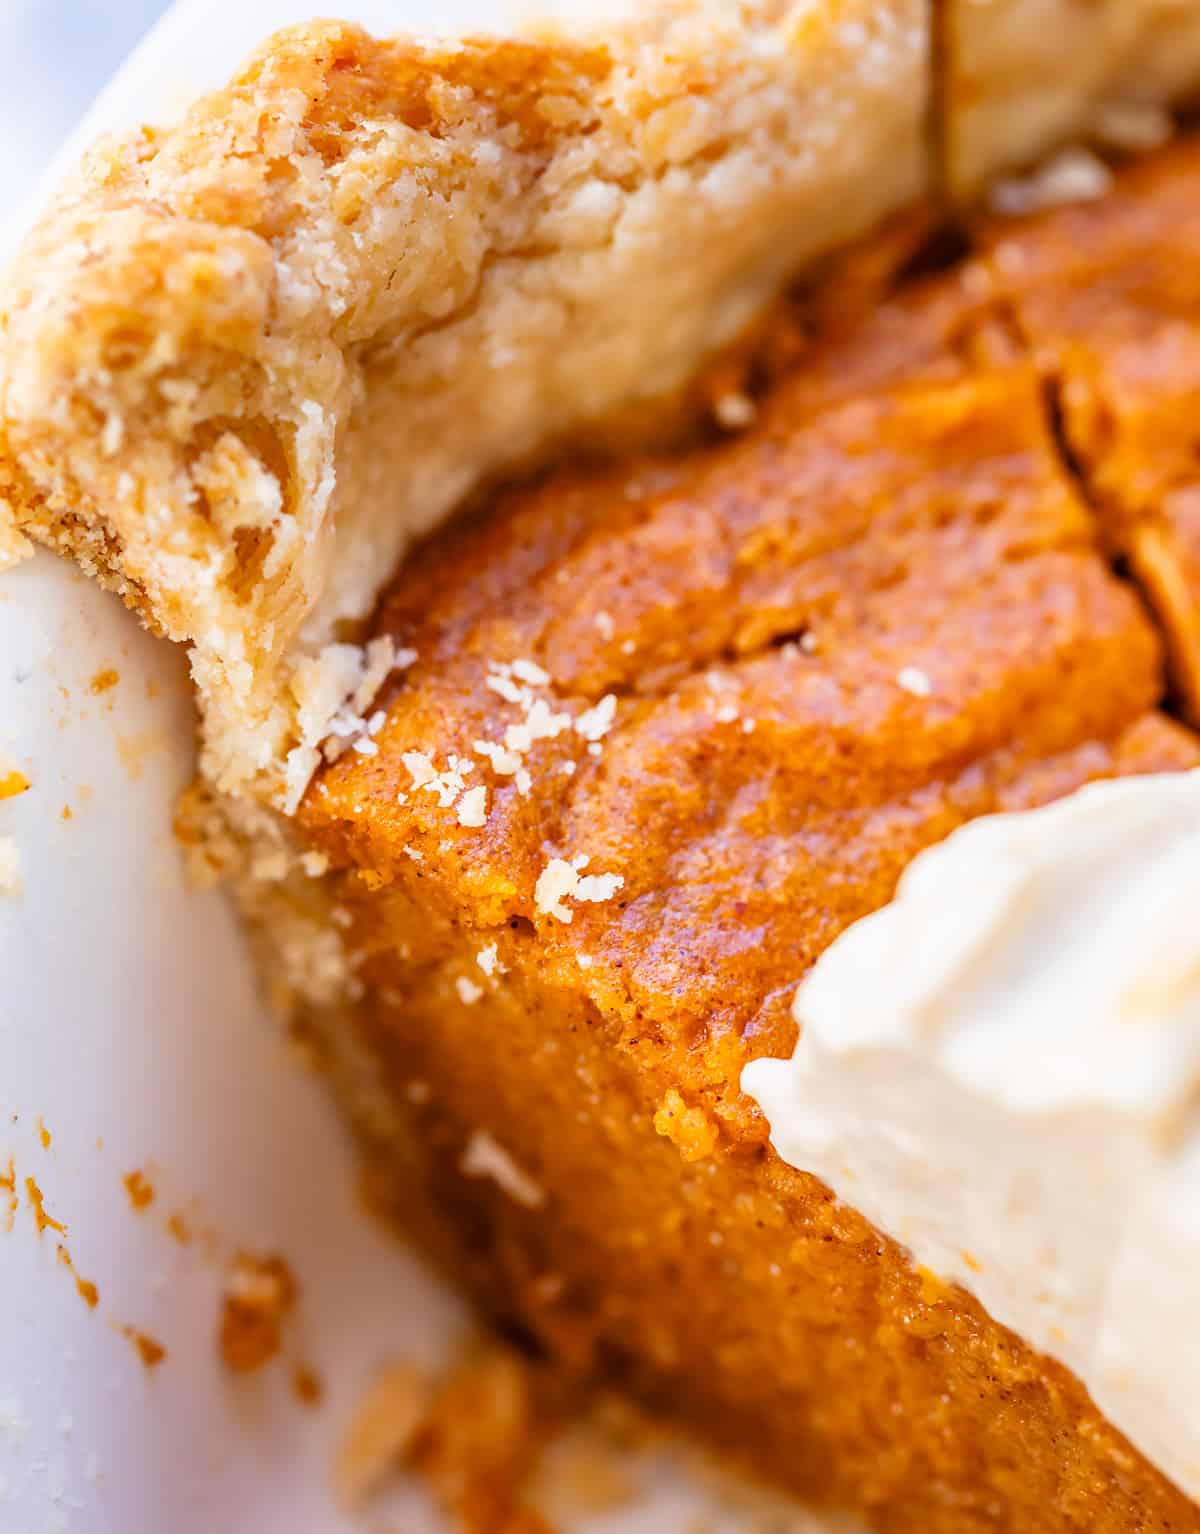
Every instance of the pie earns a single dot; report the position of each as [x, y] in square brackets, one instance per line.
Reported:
[654, 712]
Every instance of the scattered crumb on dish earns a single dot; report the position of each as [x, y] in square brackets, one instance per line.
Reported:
[307, 1385]
[149, 1349]
[260, 1294]
[37, 1202]
[104, 680]
[381, 1433]
[8, 1188]
[84, 1287]
[140, 1190]
[178, 1228]
[12, 783]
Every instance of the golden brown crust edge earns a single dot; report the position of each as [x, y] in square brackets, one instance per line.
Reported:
[245, 360]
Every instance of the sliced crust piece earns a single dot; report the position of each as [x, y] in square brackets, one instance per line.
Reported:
[244, 361]
[1021, 76]
[1111, 315]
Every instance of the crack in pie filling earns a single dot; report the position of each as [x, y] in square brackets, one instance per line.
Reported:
[691, 858]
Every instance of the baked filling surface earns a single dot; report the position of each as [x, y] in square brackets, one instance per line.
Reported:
[666, 730]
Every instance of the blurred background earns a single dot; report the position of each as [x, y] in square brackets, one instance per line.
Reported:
[54, 56]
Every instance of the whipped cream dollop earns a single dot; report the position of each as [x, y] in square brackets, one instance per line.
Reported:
[1001, 1070]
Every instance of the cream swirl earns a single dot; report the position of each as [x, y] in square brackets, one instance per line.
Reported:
[1001, 1070]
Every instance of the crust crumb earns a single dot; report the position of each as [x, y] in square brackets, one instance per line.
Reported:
[179, 1229]
[259, 1296]
[13, 783]
[381, 1433]
[84, 1287]
[140, 1190]
[486, 1157]
[481, 1439]
[104, 680]
[307, 1385]
[149, 1349]
[8, 1187]
[560, 881]
[1073, 175]
[45, 1221]
[581, 1474]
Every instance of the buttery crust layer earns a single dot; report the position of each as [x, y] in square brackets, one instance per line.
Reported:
[247, 359]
